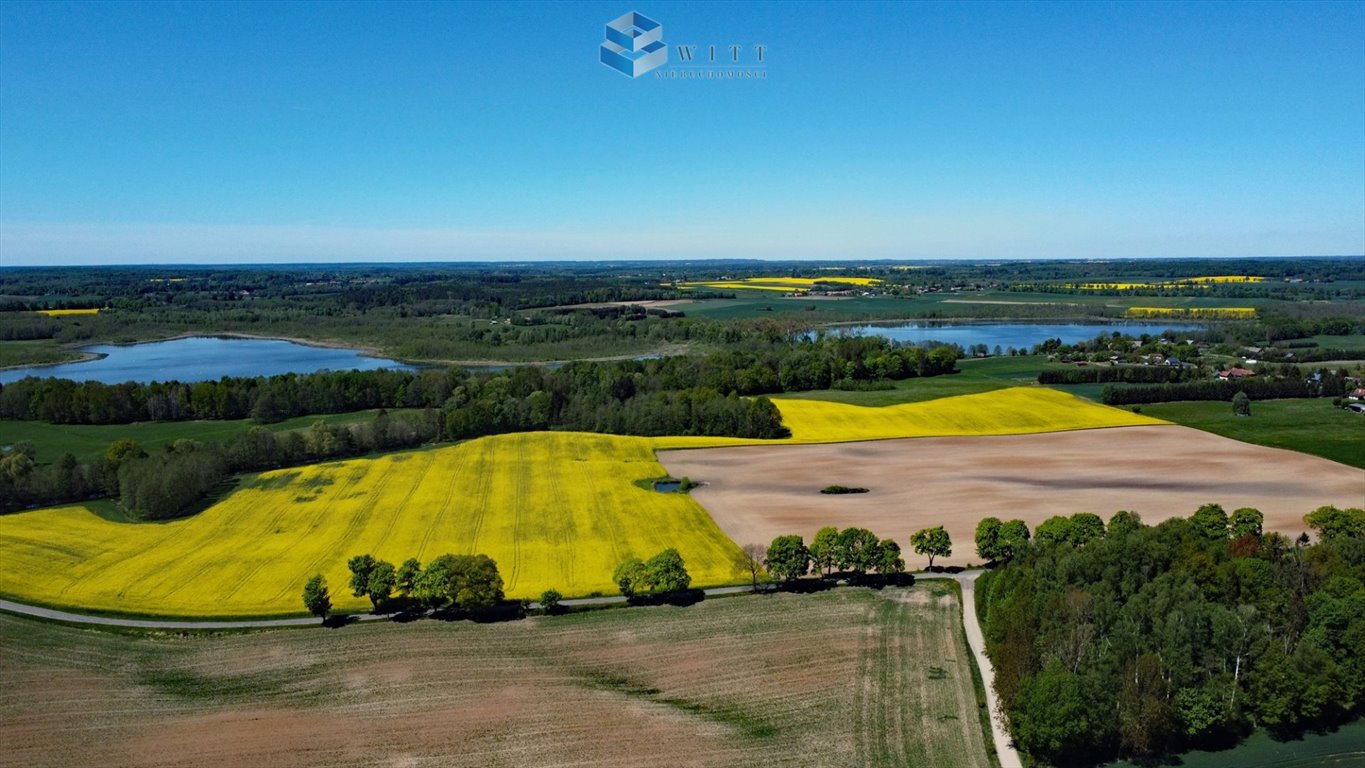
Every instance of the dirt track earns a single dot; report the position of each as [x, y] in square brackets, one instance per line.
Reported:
[757, 493]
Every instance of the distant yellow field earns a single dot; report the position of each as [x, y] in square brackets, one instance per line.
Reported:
[61, 312]
[1013, 411]
[1184, 281]
[1195, 313]
[554, 509]
[783, 284]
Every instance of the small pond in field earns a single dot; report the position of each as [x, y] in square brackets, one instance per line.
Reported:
[1005, 335]
[203, 358]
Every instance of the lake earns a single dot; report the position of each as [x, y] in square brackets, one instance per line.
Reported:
[1006, 335]
[203, 358]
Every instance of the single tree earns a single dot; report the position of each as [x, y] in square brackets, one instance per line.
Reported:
[1332, 523]
[549, 601]
[891, 561]
[1211, 522]
[1014, 537]
[787, 558]
[933, 542]
[824, 549]
[405, 581]
[1245, 521]
[857, 550]
[316, 598]
[1086, 527]
[1056, 530]
[380, 585]
[667, 573]
[360, 567]
[751, 560]
[631, 577]
[988, 539]
[1241, 404]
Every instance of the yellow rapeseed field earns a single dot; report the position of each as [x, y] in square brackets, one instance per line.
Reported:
[62, 312]
[783, 284]
[1198, 313]
[1184, 281]
[554, 509]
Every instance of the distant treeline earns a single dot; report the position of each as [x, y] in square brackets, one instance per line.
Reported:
[1329, 384]
[1151, 640]
[573, 396]
[1127, 374]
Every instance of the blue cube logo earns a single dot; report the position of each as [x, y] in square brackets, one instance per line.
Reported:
[634, 45]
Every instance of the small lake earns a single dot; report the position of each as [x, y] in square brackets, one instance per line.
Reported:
[203, 358]
[1006, 335]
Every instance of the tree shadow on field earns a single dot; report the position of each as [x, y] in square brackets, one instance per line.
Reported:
[507, 610]
[337, 621]
[945, 569]
[809, 586]
[681, 599]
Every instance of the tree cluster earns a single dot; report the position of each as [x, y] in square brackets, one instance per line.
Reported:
[855, 551]
[1141, 640]
[1320, 384]
[468, 583]
[662, 574]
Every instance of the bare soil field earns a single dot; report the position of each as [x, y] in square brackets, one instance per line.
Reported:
[848, 677]
[756, 493]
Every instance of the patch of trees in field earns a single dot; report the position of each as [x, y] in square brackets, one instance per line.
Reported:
[1129, 640]
[1127, 374]
[467, 583]
[1322, 383]
[852, 551]
[661, 575]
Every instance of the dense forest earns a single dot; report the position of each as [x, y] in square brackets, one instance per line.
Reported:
[1148, 640]
[1323, 383]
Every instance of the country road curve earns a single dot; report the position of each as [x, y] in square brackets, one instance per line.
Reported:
[1004, 749]
[1009, 758]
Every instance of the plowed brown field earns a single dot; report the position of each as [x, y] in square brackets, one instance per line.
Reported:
[757, 493]
[849, 677]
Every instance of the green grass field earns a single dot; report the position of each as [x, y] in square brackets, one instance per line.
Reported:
[44, 352]
[87, 442]
[848, 677]
[1308, 425]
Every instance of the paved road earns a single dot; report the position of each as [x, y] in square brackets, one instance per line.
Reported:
[1009, 758]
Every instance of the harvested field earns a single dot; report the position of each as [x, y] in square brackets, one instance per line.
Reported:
[757, 493]
[864, 679]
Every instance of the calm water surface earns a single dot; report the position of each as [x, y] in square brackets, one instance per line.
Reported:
[203, 358]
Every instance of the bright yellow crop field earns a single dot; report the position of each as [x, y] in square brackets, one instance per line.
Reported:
[63, 312]
[1203, 313]
[554, 509]
[1013, 411]
[783, 284]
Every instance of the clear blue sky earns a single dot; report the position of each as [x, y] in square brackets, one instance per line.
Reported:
[199, 132]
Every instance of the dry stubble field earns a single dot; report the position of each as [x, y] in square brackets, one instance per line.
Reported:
[849, 677]
[756, 493]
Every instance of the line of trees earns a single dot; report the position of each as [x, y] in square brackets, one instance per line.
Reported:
[1320, 384]
[469, 583]
[636, 396]
[1127, 374]
[1129, 640]
[854, 551]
